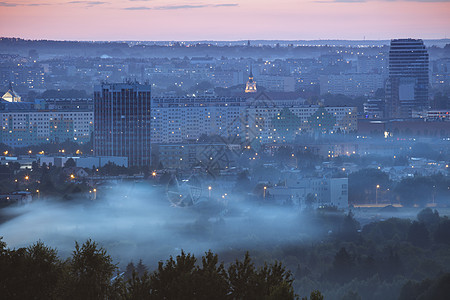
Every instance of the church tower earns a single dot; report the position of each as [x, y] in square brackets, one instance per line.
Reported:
[251, 84]
[11, 95]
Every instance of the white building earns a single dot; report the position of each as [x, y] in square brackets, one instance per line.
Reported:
[351, 84]
[176, 119]
[74, 125]
[322, 191]
[277, 83]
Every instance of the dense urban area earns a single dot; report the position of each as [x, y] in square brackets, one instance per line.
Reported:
[225, 170]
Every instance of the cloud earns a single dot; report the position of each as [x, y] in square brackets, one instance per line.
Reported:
[138, 8]
[174, 7]
[7, 4]
[177, 7]
[226, 5]
[88, 3]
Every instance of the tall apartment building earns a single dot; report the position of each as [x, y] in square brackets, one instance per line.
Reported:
[122, 121]
[407, 86]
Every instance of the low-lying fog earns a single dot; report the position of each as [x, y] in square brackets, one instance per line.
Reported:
[133, 223]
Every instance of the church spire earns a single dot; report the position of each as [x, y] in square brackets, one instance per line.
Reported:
[251, 84]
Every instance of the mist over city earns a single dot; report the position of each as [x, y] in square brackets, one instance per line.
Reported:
[225, 150]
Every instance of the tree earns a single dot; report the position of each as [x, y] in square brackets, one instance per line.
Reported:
[70, 163]
[174, 279]
[316, 295]
[44, 270]
[442, 233]
[349, 227]
[362, 185]
[247, 282]
[141, 269]
[414, 191]
[242, 182]
[29, 273]
[428, 217]
[418, 235]
[130, 269]
[90, 270]
[310, 200]
[342, 266]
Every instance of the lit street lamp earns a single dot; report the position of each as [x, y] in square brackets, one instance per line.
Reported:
[265, 188]
[209, 191]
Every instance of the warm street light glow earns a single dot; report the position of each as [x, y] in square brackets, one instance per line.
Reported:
[153, 174]
[27, 177]
[209, 188]
[72, 176]
[376, 194]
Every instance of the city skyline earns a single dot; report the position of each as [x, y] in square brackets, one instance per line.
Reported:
[251, 19]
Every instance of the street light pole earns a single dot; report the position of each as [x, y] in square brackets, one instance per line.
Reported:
[265, 188]
[376, 194]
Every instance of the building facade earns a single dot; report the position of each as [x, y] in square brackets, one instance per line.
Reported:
[122, 121]
[22, 128]
[176, 119]
[259, 117]
[351, 84]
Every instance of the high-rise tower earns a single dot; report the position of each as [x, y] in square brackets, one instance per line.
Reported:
[122, 121]
[407, 85]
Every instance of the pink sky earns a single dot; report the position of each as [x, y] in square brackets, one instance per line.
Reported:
[223, 19]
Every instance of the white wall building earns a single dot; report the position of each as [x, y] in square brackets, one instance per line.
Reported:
[277, 83]
[325, 191]
[351, 84]
[41, 122]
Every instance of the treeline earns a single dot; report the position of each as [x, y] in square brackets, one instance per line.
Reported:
[36, 272]
[372, 262]
[373, 185]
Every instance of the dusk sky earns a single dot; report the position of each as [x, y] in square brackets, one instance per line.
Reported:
[224, 19]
